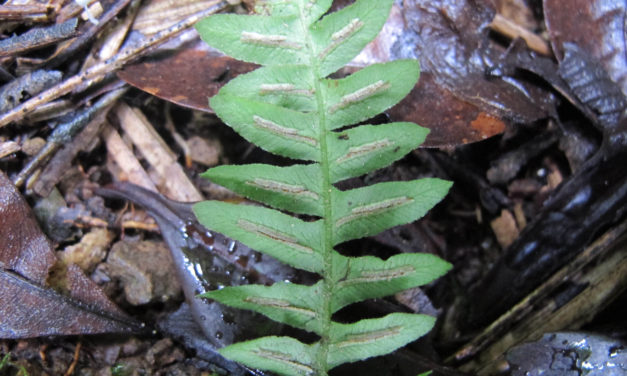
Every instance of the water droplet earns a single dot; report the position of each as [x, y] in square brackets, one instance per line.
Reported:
[219, 335]
[232, 247]
[541, 172]
[615, 351]
[198, 270]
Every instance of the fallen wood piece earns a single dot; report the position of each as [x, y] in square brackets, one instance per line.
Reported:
[172, 178]
[566, 301]
[512, 30]
[33, 12]
[63, 133]
[8, 148]
[37, 38]
[85, 37]
[124, 158]
[29, 84]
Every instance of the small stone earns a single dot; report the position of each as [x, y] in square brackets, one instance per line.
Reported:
[205, 152]
[90, 251]
[145, 269]
[33, 145]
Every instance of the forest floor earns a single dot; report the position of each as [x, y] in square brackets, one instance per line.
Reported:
[527, 119]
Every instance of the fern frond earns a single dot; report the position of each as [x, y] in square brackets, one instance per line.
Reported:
[290, 107]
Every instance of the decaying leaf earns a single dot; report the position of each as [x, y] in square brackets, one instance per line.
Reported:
[23, 247]
[28, 308]
[187, 77]
[596, 26]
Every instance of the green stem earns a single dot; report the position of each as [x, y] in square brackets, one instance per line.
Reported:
[327, 245]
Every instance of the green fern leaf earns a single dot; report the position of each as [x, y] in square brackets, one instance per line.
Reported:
[360, 150]
[339, 37]
[274, 128]
[369, 210]
[295, 188]
[283, 355]
[290, 240]
[370, 277]
[368, 92]
[276, 40]
[290, 86]
[288, 303]
[374, 337]
[291, 108]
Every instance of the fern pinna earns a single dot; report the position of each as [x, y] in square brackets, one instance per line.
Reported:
[289, 107]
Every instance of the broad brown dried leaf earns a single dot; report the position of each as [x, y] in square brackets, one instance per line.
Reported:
[28, 308]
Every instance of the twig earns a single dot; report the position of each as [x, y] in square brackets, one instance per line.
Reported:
[31, 84]
[7, 148]
[72, 366]
[105, 67]
[64, 133]
[26, 12]
[38, 38]
[87, 36]
[512, 30]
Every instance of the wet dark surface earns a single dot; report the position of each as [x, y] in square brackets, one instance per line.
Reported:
[569, 354]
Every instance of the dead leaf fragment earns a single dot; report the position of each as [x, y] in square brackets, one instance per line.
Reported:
[596, 26]
[188, 78]
[505, 228]
[452, 121]
[23, 247]
[28, 308]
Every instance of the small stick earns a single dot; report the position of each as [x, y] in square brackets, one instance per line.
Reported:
[72, 366]
[105, 67]
[87, 36]
[64, 133]
[37, 38]
[512, 30]
[26, 12]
